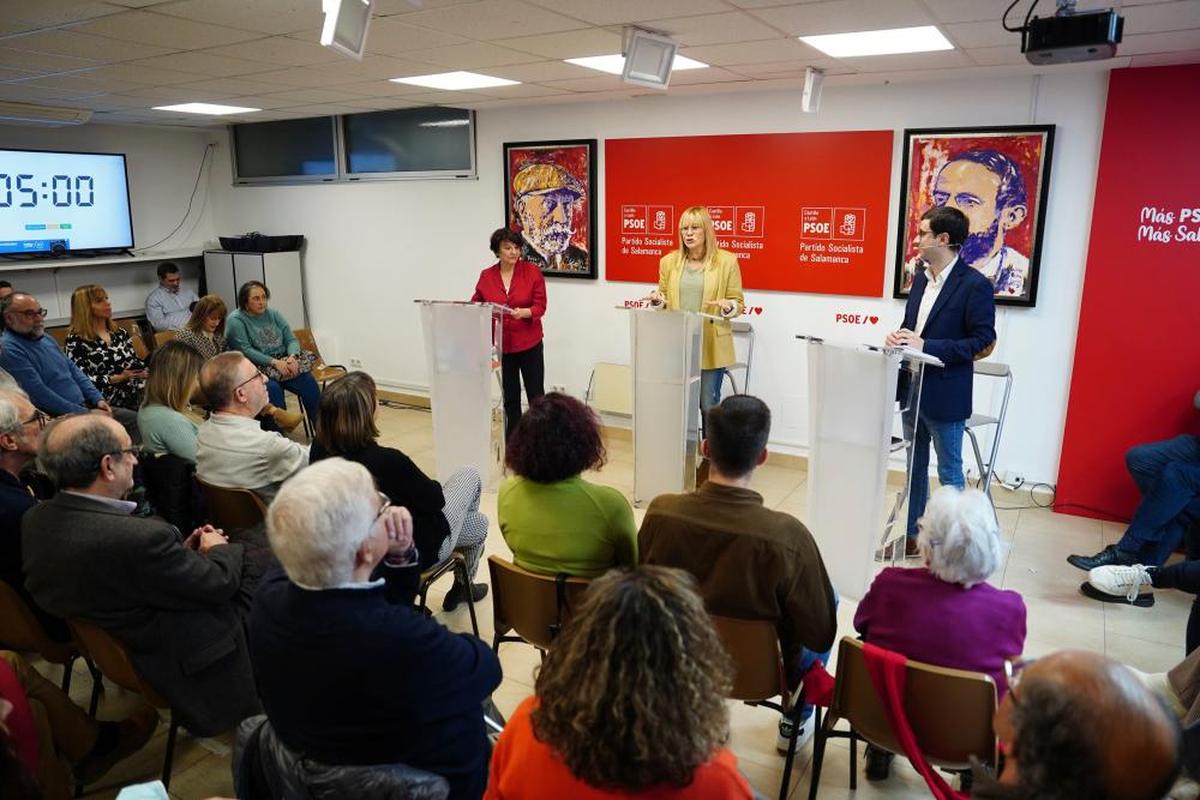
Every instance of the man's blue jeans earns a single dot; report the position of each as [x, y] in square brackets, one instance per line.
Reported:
[947, 440]
[804, 662]
[1167, 474]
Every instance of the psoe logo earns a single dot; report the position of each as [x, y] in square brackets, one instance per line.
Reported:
[855, 319]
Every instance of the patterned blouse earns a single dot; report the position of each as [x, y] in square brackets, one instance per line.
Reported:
[206, 346]
[100, 361]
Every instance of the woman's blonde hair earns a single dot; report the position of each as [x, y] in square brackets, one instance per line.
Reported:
[174, 372]
[205, 307]
[693, 215]
[632, 694]
[83, 321]
[346, 414]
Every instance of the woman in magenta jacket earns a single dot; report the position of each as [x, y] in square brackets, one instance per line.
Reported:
[519, 285]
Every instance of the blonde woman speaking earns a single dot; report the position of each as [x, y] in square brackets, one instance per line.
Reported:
[699, 276]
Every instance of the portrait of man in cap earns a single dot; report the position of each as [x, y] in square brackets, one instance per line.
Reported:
[550, 209]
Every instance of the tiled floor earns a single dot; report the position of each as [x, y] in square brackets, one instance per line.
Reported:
[1059, 617]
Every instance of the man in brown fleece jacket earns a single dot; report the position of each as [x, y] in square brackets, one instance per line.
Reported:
[750, 562]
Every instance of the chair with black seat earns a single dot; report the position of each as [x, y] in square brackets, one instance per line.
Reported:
[535, 606]
[452, 564]
[111, 658]
[233, 509]
[264, 768]
[21, 630]
[760, 675]
[172, 490]
[950, 712]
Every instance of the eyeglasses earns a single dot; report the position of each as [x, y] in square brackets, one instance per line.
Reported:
[386, 503]
[32, 313]
[1012, 675]
[38, 417]
[253, 377]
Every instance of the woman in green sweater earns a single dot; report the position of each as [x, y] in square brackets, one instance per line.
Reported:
[266, 338]
[164, 416]
[554, 520]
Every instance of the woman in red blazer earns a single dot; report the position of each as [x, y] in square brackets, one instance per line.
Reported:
[519, 285]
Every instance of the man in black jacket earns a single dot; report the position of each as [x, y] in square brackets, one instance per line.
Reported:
[177, 605]
[349, 671]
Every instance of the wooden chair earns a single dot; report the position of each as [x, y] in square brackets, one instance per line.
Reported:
[535, 606]
[59, 333]
[114, 663]
[950, 711]
[136, 335]
[456, 564]
[760, 675]
[233, 509]
[21, 630]
[321, 372]
[162, 337]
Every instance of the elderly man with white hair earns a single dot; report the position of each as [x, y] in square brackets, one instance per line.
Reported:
[380, 682]
[946, 613]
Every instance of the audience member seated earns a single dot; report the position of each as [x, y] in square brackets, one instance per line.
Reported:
[233, 450]
[166, 420]
[169, 305]
[1076, 725]
[72, 747]
[6, 289]
[266, 338]
[177, 605]
[348, 670]
[445, 518]
[1167, 474]
[629, 702]
[205, 329]
[20, 434]
[54, 384]
[102, 350]
[553, 519]
[750, 562]
[978, 627]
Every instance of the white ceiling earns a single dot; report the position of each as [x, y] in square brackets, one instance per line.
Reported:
[120, 57]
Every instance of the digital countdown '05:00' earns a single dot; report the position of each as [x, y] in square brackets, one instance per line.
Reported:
[63, 191]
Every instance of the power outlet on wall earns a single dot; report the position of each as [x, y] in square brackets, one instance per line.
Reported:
[558, 387]
[356, 363]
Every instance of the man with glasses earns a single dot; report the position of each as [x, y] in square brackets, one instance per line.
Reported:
[950, 314]
[177, 605]
[1075, 724]
[52, 381]
[232, 449]
[381, 682]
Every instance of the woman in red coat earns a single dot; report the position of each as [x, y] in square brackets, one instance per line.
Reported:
[519, 285]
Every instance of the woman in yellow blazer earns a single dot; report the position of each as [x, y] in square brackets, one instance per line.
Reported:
[701, 277]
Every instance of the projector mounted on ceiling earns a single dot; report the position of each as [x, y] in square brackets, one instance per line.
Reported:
[50, 116]
[1069, 35]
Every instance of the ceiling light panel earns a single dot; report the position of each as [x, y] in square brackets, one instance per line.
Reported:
[922, 39]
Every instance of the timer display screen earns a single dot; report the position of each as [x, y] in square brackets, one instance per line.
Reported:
[52, 202]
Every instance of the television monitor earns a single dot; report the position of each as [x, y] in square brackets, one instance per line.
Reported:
[55, 202]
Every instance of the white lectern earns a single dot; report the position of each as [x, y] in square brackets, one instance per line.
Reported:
[851, 416]
[462, 346]
[666, 400]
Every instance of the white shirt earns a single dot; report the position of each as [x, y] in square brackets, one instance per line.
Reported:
[236, 453]
[932, 289]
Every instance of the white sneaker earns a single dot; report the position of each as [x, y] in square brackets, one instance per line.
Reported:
[1117, 580]
[785, 733]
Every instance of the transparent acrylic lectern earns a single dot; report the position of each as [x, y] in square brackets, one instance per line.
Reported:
[463, 342]
[852, 413]
[666, 400]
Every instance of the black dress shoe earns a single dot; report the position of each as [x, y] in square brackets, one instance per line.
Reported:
[1106, 557]
[1143, 600]
[879, 763]
[456, 595]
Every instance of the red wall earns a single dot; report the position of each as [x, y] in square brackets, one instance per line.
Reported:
[1137, 354]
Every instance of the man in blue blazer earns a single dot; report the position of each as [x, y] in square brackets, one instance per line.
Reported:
[951, 314]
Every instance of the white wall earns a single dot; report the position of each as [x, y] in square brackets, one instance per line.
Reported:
[374, 247]
[162, 165]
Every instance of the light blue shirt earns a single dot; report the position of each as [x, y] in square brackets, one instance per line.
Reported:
[167, 310]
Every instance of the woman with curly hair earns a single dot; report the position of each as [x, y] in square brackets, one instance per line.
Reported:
[629, 701]
[555, 521]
